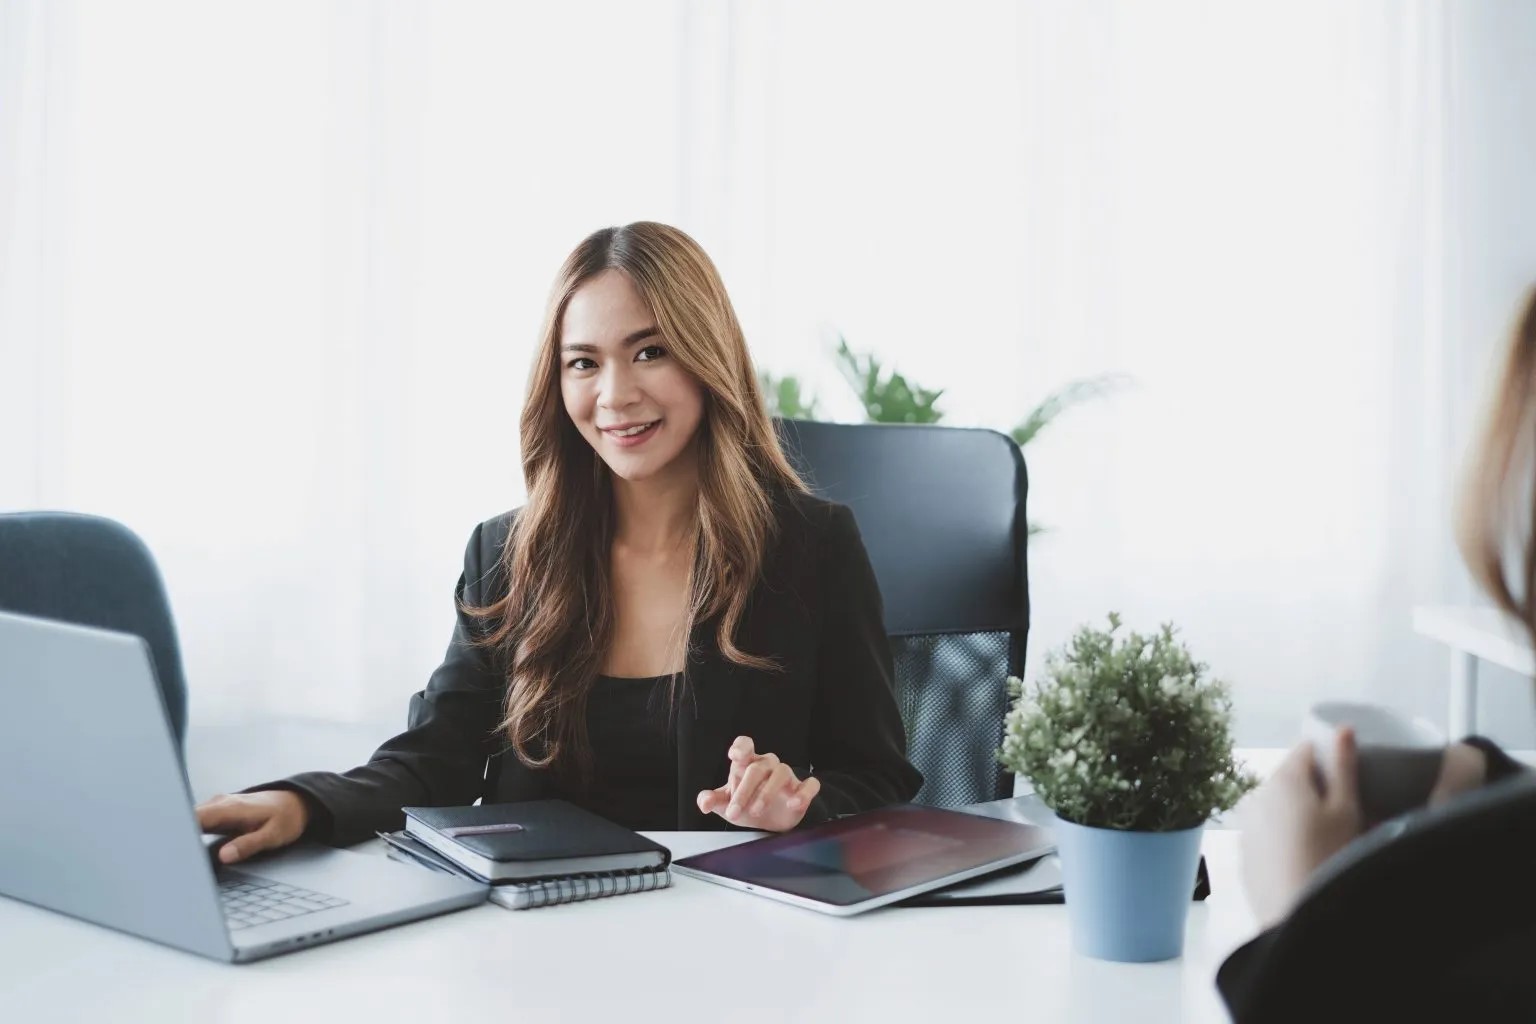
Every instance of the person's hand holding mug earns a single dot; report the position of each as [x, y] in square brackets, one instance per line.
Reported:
[760, 792]
[1401, 760]
[1463, 768]
[1302, 815]
[258, 821]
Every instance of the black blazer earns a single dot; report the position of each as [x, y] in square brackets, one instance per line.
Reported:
[1428, 917]
[830, 713]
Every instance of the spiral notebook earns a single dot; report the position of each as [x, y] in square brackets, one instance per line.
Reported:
[553, 891]
[531, 895]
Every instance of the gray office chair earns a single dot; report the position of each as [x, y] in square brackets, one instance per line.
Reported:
[93, 572]
[941, 511]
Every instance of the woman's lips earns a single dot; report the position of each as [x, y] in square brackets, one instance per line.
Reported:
[633, 440]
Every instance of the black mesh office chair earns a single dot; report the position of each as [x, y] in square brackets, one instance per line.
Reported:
[941, 510]
[93, 572]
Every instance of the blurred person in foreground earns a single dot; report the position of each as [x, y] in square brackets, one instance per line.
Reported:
[1432, 915]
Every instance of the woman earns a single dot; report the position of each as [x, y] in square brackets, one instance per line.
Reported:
[671, 632]
[1432, 916]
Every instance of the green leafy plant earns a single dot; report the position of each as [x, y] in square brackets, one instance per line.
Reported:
[887, 396]
[785, 397]
[1126, 733]
[1064, 398]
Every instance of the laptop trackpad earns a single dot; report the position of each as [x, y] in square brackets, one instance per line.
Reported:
[359, 878]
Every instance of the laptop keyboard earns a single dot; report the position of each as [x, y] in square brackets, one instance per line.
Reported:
[250, 900]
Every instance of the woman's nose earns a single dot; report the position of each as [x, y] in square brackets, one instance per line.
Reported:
[617, 387]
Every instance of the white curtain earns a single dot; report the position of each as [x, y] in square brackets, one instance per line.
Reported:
[273, 272]
[295, 257]
[1241, 207]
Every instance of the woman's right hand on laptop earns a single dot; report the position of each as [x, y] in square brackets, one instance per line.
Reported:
[258, 821]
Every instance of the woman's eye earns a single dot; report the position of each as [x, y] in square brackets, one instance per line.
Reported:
[575, 364]
[656, 353]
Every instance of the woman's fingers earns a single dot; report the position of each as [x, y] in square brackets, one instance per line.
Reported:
[226, 814]
[742, 753]
[1300, 765]
[752, 780]
[258, 821]
[1462, 767]
[253, 824]
[1298, 761]
[762, 791]
[252, 843]
[804, 793]
[714, 800]
[779, 784]
[1344, 787]
[786, 807]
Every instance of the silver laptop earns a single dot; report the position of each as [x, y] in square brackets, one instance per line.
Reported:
[98, 818]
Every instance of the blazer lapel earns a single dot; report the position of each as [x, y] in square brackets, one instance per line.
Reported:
[705, 728]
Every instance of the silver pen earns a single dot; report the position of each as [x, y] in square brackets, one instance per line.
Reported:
[481, 830]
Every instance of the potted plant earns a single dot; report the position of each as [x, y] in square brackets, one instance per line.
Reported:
[1128, 741]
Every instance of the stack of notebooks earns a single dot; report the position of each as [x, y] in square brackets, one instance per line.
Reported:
[532, 854]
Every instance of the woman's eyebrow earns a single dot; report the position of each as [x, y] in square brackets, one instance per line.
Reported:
[634, 338]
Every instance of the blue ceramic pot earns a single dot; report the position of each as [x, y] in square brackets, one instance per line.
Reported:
[1128, 893]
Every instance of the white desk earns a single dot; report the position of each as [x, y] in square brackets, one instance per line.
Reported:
[695, 952]
[1473, 635]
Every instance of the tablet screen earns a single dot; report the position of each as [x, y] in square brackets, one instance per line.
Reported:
[878, 853]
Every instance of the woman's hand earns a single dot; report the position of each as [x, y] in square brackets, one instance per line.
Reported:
[760, 792]
[1293, 822]
[260, 821]
[1464, 767]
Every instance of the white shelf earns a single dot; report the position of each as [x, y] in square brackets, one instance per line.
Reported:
[1485, 633]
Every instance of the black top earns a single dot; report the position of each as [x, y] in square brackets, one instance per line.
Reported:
[634, 755]
[1431, 916]
[827, 710]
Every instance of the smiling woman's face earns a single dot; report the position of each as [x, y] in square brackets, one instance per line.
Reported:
[617, 377]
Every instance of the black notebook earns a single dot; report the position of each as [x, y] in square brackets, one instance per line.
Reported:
[532, 839]
[543, 892]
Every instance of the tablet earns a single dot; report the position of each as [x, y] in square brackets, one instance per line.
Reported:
[863, 861]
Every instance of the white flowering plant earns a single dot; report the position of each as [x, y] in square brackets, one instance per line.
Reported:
[1126, 733]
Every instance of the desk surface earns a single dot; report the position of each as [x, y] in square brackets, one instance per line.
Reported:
[695, 952]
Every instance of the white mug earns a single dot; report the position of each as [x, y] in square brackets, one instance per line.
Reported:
[1399, 757]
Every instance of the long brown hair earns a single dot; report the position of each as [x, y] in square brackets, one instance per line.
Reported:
[556, 620]
[1497, 517]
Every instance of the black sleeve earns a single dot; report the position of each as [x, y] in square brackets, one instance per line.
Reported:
[858, 743]
[440, 759]
[1440, 898]
[1500, 764]
[1237, 978]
